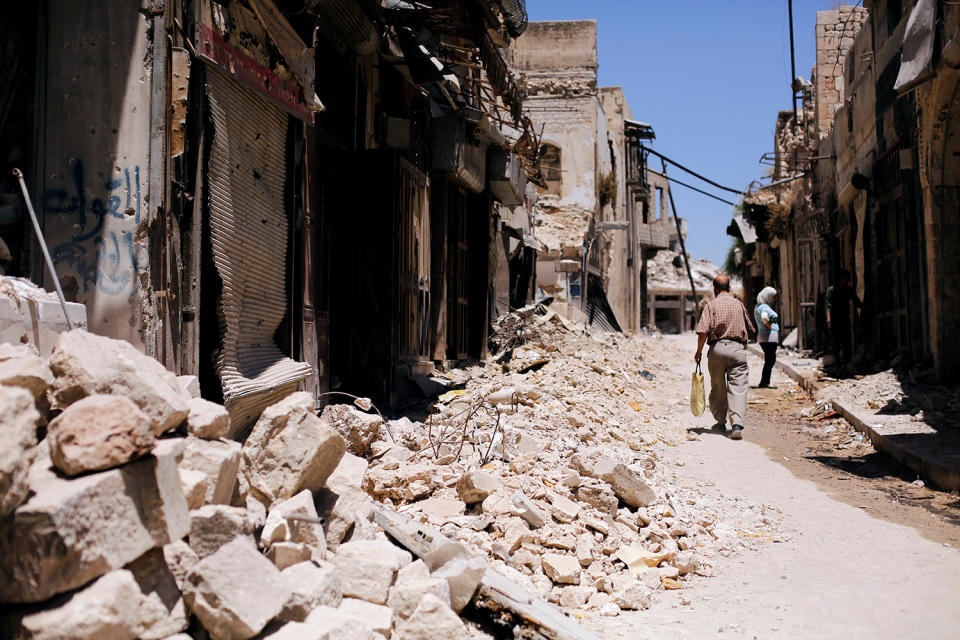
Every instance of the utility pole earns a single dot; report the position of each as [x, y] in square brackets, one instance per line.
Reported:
[683, 245]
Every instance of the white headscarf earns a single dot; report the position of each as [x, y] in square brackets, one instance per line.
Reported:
[766, 296]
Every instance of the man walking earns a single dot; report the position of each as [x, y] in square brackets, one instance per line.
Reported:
[727, 327]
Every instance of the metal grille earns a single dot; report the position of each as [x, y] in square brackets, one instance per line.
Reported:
[248, 227]
[414, 263]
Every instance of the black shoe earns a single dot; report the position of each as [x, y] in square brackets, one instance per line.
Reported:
[737, 433]
[719, 428]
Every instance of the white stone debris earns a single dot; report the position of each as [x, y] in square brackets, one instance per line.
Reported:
[18, 438]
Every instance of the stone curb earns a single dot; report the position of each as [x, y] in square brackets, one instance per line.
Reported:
[945, 477]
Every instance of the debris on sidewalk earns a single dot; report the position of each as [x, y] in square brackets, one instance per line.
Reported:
[548, 481]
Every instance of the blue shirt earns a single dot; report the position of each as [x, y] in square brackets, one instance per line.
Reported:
[763, 334]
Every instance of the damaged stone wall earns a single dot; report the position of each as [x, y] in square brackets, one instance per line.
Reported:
[835, 32]
[94, 195]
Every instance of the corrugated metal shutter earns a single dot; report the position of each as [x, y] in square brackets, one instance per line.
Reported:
[246, 172]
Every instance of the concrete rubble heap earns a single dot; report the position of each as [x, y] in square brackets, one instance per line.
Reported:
[134, 507]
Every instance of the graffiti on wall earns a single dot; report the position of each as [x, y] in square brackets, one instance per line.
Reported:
[103, 257]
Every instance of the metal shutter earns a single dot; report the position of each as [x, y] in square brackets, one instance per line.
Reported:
[246, 172]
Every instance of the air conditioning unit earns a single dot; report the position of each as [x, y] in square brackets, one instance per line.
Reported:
[507, 179]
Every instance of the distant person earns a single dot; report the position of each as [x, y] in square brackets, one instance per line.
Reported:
[727, 328]
[768, 331]
[839, 317]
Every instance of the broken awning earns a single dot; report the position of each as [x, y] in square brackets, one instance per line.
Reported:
[747, 231]
[916, 63]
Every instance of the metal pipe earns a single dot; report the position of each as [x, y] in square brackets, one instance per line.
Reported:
[43, 246]
[683, 245]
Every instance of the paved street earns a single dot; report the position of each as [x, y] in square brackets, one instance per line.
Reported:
[840, 572]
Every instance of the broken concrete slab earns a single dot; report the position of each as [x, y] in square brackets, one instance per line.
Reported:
[526, 509]
[180, 559]
[432, 620]
[22, 366]
[359, 429]
[295, 521]
[562, 569]
[236, 591]
[367, 568]
[107, 608]
[71, 531]
[219, 461]
[84, 364]
[562, 509]
[208, 420]
[638, 558]
[378, 617]
[311, 585]
[335, 624]
[574, 597]
[628, 484]
[162, 611]
[290, 449]
[18, 440]
[475, 486]
[99, 432]
[214, 525]
[285, 554]
[413, 581]
[462, 569]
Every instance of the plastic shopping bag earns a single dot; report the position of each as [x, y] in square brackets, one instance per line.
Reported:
[698, 400]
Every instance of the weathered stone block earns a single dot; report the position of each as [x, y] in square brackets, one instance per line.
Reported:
[377, 617]
[162, 611]
[71, 531]
[475, 486]
[289, 450]
[359, 429]
[215, 525]
[18, 441]
[461, 568]
[311, 585]
[413, 582]
[335, 624]
[99, 432]
[281, 529]
[207, 419]
[22, 366]
[432, 620]
[235, 592]
[367, 568]
[560, 568]
[219, 461]
[526, 509]
[84, 364]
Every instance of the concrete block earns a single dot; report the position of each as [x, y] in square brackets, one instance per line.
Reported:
[475, 486]
[19, 419]
[22, 366]
[71, 531]
[561, 569]
[413, 582]
[235, 592]
[84, 364]
[461, 568]
[289, 450]
[335, 624]
[219, 461]
[378, 617]
[281, 529]
[99, 432]
[432, 620]
[311, 585]
[367, 568]
[207, 420]
[214, 525]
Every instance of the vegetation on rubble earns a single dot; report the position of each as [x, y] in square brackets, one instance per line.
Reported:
[608, 189]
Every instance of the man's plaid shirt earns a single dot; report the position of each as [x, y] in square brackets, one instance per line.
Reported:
[725, 318]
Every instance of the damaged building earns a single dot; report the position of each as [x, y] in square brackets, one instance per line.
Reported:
[602, 212]
[274, 194]
[863, 181]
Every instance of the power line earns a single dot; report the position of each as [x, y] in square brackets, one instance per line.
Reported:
[691, 171]
[684, 184]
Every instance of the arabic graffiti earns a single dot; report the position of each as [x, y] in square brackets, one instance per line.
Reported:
[103, 258]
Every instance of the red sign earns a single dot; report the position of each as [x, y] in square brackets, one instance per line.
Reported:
[288, 95]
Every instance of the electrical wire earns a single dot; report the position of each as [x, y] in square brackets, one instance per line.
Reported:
[690, 171]
[684, 184]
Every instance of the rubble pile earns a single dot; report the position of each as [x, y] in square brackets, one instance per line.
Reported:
[561, 227]
[556, 473]
[131, 509]
[667, 271]
[127, 511]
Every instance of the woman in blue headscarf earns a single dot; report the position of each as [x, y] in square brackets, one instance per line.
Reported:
[768, 331]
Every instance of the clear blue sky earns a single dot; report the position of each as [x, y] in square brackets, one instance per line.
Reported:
[710, 76]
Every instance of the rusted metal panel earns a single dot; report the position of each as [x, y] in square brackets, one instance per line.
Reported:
[246, 174]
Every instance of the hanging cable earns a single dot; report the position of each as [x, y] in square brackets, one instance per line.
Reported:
[684, 184]
[690, 171]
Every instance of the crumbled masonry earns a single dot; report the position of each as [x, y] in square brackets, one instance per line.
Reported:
[549, 476]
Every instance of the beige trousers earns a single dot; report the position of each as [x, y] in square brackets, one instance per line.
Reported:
[729, 379]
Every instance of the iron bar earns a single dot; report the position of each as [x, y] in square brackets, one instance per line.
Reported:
[43, 247]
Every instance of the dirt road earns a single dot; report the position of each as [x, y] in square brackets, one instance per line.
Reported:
[865, 553]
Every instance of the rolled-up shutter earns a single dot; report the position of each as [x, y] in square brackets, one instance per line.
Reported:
[246, 173]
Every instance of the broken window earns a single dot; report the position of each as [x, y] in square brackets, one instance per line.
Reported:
[550, 157]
